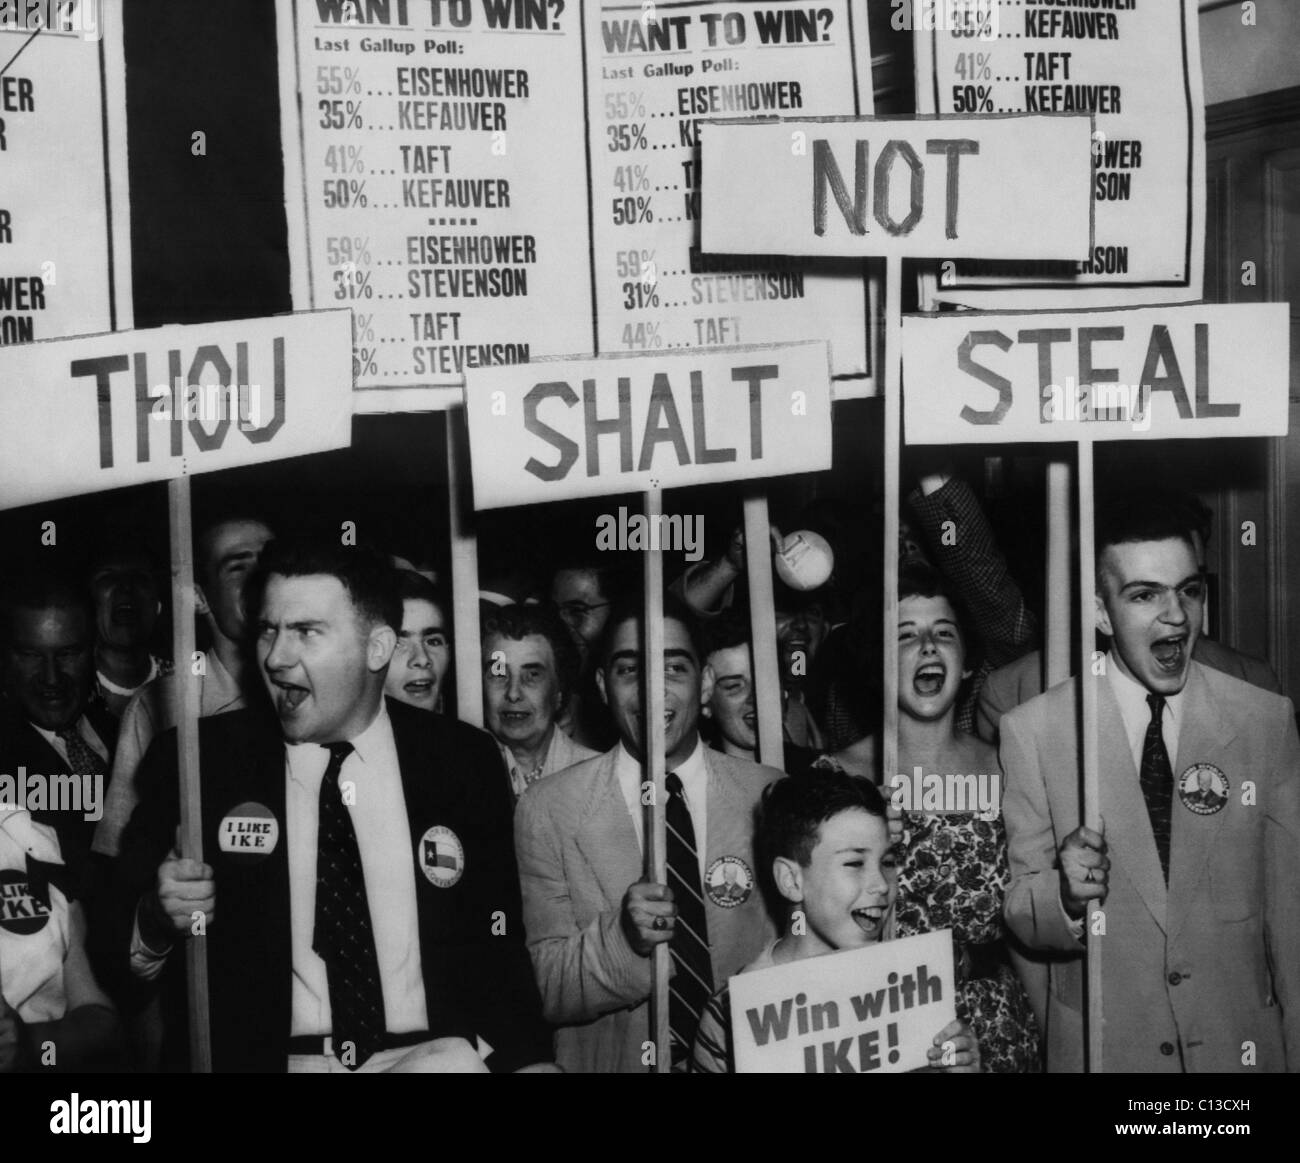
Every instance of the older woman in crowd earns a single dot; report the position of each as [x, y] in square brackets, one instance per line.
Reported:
[530, 668]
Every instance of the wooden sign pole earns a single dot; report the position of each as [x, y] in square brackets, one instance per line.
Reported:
[464, 577]
[656, 848]
[893, 388]
[1088, 718]
[180, 524]
[762, 622]
[1056, 634]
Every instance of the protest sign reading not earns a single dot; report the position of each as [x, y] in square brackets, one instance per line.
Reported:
[909, 188]
[860, 1011]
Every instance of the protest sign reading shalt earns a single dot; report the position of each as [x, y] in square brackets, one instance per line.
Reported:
[588, 427]
[859, 1011]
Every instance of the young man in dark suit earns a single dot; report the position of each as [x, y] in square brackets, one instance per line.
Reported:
[360, 895]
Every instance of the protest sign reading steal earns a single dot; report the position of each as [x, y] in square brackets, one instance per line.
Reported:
[1151, 373]
[861, 1011]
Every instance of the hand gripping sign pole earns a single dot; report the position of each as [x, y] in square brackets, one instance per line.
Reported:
[652, 770]
[559, 429]
[989, 379]
[180, 526]
[1088, 719]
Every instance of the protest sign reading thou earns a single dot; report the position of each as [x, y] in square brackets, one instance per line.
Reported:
[102, 411]
[859, 1011]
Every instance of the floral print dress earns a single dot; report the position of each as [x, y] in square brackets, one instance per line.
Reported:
[954, 875]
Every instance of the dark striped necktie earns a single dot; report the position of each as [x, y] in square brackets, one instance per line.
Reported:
[692, 981]
[1157, 778]
[344, 938]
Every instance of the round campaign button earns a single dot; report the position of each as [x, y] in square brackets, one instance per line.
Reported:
[442, 856]
[1203, 788]
[728, 882]
[20, 911]
[248, 833]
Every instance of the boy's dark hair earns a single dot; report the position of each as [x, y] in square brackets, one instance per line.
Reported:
[418, 588]
[363, 572]
[630, 607]
[517, 622]
[1148, 515]
[731, 627]
[788, 819]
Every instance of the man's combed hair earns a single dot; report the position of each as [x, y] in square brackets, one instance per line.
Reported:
[42, 590]
[1148, 515]
[789, 817]
[518, 622]
[365, 574]
[630, 607]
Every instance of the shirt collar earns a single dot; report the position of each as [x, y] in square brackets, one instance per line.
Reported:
[1132, 698]
[368, 746]
[50, 736]
[378, 735]
[693, 772]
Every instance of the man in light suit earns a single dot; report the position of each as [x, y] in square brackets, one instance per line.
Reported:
[592, 918]
[1200, 933]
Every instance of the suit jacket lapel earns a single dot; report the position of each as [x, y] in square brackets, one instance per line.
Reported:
[605, 834]
[1204, 736]
[726, 812]
[1131, 842]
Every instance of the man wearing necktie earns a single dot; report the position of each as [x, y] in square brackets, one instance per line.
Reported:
[1191, 898]
[359, 895]
[593, 919]
[47, 725]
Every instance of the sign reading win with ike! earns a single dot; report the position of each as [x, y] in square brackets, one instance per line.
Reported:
[860, 1011]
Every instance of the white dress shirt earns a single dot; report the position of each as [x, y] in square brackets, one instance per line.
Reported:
[378, 811]
[383, 832]
[1136, 713]
[694, 775]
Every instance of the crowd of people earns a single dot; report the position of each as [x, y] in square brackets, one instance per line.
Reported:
[387, 888]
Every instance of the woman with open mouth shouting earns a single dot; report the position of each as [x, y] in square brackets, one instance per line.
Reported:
[955, 870]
